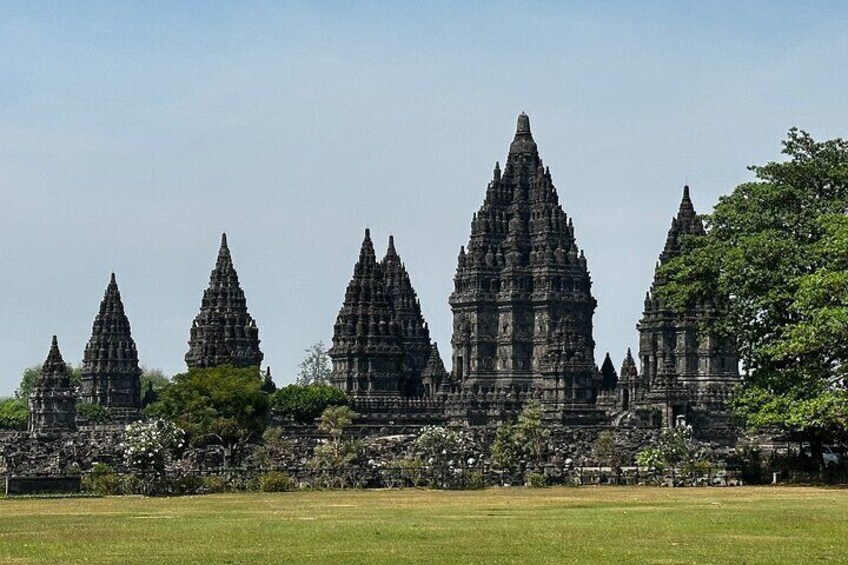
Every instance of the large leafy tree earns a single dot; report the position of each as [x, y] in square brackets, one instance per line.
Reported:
[775, 259]
[220, 404]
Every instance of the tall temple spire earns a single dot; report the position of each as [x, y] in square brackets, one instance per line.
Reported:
[682, 362]
[522, 302]
[52, 401]
[413, 329]
[366, 352]
[54, 367]
[224, 333]
[686, 222]
[609, 378]
[110, 371]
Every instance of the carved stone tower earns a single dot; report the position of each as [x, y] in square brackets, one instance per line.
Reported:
[367, 351]
[685, 369]
[414, 333]
[522, 302]
[224, 333]
[52, 400]
[110, 372]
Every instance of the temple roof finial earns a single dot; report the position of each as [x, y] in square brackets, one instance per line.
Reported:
[523, 142]
[523, 125]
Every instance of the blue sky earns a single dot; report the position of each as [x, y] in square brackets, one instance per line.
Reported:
[133, 134]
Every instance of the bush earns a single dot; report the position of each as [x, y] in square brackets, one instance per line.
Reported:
[535, 480]
[94, 413]
[305, 403]
[102, 480]
[276, 481]
[475, 480]
[14, 413]
[212, 483]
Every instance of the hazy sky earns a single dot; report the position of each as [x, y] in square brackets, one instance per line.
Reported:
[132, 135]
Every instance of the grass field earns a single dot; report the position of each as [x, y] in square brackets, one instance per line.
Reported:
[555, 525]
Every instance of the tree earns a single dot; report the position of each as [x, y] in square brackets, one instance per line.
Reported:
[774, 260]
[526, 440]
[305, 403]
[333, 461]
[13, 414]
[154, 378]
[316, 367]
[223, 404]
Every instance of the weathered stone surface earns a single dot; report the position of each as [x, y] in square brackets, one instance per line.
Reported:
[52, 401]
[381, 342]
[224, 333]
[111, 376]
[522, 302]
[685, 370]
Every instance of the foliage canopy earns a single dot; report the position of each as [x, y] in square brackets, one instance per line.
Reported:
[223, 403]
[304, 403]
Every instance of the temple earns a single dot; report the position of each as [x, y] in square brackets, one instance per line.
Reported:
[224, 333]
[110, 371]
[522, 302]
[52, 400]
[381, 342]
[687, 370]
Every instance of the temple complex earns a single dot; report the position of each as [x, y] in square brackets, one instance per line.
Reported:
[522, 302]
[224, 333]
[111, 376]
[52, 400]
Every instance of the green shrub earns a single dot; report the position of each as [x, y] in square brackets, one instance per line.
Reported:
[94, 413]
[102, 480]
[14, 413]
[475, 480]
[305, 403]
[535, 480]
[213, 483]
[276, 481]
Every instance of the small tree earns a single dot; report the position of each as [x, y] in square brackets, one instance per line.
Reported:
[526, 440]
[607, 451]
[446, 452]
[316, 367]
[332, 461]
[150, 446]
[675, 447]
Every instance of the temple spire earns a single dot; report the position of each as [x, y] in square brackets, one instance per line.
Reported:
[110, 370]
[224, 333]
[54, 364]
[52, 400]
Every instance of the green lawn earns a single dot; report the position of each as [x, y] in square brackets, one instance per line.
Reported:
[555, 525]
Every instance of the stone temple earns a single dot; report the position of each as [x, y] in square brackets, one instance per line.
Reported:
[224, 333]
[381, 342]
[111, 376]
[522, 302]
[52, 400]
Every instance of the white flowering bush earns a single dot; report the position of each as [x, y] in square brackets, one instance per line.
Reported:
[447, 453]
[675, 447]
[150, 446]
